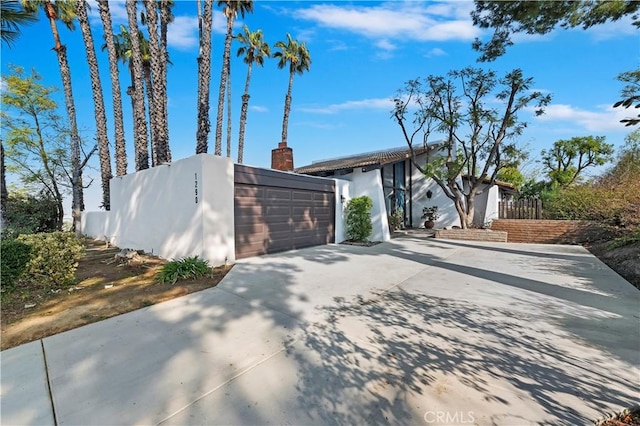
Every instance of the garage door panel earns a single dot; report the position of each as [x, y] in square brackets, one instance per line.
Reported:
[272, 219]
[302, 196]
[277, 211]
[278, 194]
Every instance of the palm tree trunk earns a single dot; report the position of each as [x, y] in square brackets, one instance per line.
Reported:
[223, 81]
[204, 79]
[229, 111]
[4, 195]
[140, 120]
[120, 152]
[243, 115]
[65, 74]
[165, 16]
[156, 112]
[152, 107]
[98, 101]
[287, 107]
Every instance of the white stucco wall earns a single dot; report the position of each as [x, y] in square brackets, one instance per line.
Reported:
[420, 186]
[155, 210]
[343, 189]
[370, 184]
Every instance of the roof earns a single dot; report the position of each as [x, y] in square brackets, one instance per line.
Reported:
[377, 158]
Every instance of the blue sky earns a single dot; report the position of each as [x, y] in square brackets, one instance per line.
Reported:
[362, 53]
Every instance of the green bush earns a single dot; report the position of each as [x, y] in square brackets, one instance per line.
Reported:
[359, 225]
[54, 258]
[185, 268]
[28, 214]
[14, 256]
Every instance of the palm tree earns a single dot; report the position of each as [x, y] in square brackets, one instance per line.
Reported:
[156, 87]
[166, 17]
[254, 49]
[140, 119]
[120, 152]
[12, 17]
[4, 195]
[65, 11]
[98, 103]
[205, 23]
[124, 52]
[297, 56]
[230, 10]
[229, 111]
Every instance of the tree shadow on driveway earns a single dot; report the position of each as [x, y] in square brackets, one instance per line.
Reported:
[393, 358]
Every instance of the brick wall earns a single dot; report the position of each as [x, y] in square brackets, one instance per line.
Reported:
[547, 231]
[472, 235]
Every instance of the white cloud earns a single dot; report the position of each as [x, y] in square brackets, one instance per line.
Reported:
[337, 45]
[117, 10]
[386, 45]
[375, 103]
[620, 28]
[395, 20]
[259, 108]
[604, 118]
[436, 51]
[182, 33]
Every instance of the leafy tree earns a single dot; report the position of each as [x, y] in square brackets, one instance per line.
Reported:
[205, 24]
[32, 213]
[98, 103]
[627, 166]
[114, 73]
[511, 175]
[477, 134]
[35, 138]
[254, 49]
[12, 17]
[568, 159]
[630, 94]
[231, 8]
[296, 56]
[64, 10]
[540, 17]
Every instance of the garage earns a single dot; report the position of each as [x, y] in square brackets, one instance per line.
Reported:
[277, 211]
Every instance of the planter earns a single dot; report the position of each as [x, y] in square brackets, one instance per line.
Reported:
[428, 224]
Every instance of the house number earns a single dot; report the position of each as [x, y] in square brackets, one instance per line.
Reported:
[196, 183]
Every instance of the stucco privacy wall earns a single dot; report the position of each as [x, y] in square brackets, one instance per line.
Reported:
[343, 195]
[370, 184]
[420, 186]
[184, 208]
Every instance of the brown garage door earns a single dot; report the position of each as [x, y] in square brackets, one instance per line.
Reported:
[276, 211]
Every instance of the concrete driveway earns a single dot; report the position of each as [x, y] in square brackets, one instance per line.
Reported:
[413, 331]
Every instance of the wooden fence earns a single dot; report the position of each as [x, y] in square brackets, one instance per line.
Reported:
[523, 209]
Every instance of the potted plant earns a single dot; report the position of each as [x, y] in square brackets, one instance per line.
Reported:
[431, 215]
[396, 220]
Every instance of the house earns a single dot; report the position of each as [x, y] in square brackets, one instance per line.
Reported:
[405, 188]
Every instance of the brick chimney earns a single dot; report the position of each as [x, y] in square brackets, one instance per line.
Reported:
[282, 158]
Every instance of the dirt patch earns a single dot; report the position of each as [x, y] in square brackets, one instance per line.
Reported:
[624, 260]
[103, 289]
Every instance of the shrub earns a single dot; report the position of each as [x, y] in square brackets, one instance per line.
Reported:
[185, 268]
[396, 220]
[28, 214]
[14, 256]
[54, 258]
[359, 225]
